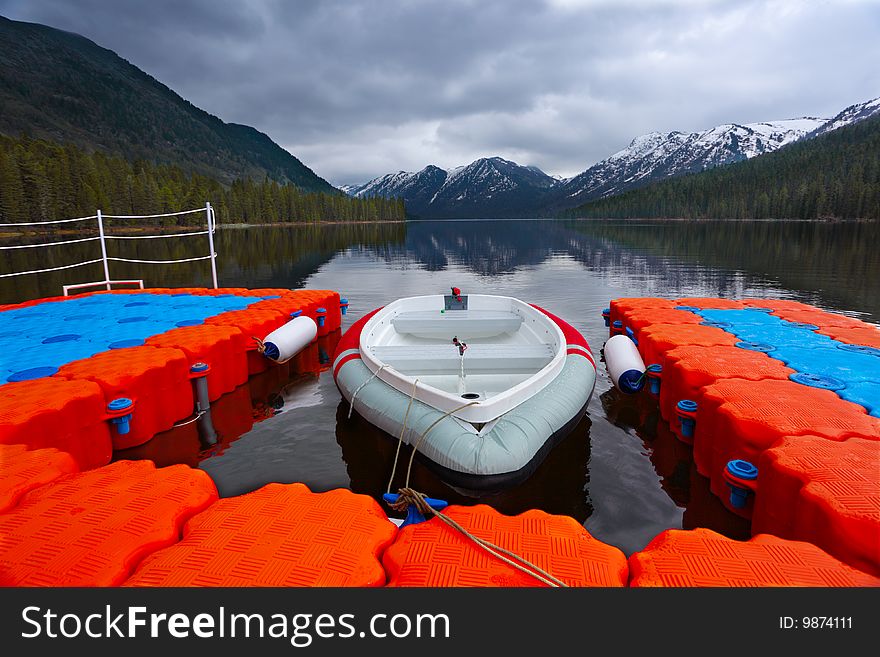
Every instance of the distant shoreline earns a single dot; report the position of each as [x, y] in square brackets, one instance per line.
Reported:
[190, 229]
[4, 235]
[281, 224]
[824, 220]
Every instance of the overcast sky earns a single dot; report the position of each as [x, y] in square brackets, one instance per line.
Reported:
[356, 89]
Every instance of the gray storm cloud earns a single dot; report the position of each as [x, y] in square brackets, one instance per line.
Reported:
[357, 89]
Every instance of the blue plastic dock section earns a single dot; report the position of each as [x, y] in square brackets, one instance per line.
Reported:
[36, 340]
[852, 371]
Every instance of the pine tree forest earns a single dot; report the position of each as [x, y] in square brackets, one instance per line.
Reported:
[45, 181]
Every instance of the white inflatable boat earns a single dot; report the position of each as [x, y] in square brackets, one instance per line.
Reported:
[483, 386]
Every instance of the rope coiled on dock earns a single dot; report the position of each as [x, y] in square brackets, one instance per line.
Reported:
[408, 496]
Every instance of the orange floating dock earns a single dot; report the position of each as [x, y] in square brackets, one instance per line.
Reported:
[656, 340]
[739, 419]
[155, 380]
[92, 528]
[52, 412]
[279, 535]
[222, 348]
[825, 492]
[433, 554]
[690, 369]
[67, 401]
[817, 457]
[772, 427]
[23, 470]
[702, 558]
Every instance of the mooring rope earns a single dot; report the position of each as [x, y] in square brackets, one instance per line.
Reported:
[409, 496]
[361, 387]
[427, 431]
[195, 417]
[412, 396]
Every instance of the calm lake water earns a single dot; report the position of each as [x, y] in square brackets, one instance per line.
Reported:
[620, 472]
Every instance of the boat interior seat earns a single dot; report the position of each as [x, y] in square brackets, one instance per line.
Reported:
[478, 359]
[467, 324]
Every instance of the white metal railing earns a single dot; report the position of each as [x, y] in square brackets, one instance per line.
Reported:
[99, 217]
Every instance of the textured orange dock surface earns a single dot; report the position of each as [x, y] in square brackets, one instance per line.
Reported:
[656, 340]
[740, 419]
[703, 558]
[23, 470]
[825, 492]
[53, 412]
[818, 474]
[156, 380]
[690, 369]
[222, 348]
[433, 554]
[279, 535]
[92, 528]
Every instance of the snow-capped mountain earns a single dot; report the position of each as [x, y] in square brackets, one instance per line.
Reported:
[495, 187]
[488, 187]
[852, 114]
[417, 188]
[657, 155]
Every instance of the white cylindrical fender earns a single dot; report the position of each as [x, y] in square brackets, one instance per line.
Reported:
[288, 340]
[625, 365]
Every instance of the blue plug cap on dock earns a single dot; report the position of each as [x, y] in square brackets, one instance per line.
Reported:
[687, 408]
[343, 305]
[745, 471]
[122, 422]
[413, 515]
[606, 315]
[654, 373]
[321, 314]
[199, 368]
